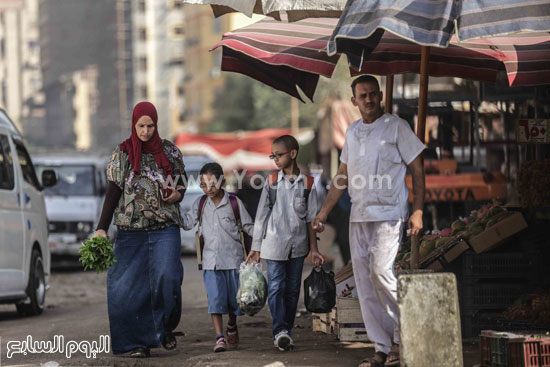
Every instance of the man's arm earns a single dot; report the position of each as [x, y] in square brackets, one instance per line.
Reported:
[337, 187]
[419, 186]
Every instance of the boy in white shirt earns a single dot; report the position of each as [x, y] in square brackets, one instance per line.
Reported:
[283, 236]
[221, 217]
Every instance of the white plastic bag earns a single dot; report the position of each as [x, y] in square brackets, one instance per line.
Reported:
[252, 293]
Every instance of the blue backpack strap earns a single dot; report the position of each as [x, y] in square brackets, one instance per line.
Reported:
[199, 239]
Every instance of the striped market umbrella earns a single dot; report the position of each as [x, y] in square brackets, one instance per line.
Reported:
[282, 55]
[290, 55]
[434, 23]
[293, 10]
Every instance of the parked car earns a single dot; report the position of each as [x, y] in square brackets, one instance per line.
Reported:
[74, 204]
[193, 165]
[24, 250]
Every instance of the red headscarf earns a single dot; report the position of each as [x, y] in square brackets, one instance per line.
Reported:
[134, 146]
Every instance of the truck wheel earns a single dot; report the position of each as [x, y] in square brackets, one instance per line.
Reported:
[36, 288]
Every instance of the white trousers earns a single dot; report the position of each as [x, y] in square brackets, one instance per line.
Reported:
[374, 246]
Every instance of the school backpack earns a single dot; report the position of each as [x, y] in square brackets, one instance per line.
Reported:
[246, 240]
[272, 187]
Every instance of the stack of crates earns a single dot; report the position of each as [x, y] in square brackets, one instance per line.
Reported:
[491, 282]
[505, 349]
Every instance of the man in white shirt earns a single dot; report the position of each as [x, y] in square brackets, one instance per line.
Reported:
[378, 149]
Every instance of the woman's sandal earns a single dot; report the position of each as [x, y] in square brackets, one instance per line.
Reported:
[140, 353]
[169, 342]
[377, 360]
[393, 359]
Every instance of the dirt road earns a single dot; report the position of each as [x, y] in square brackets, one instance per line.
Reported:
[77, 310]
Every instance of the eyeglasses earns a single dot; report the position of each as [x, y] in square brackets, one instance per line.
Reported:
[278, 155]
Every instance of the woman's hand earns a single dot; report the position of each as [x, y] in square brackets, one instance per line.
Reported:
[100, 232]
[174, 197]
[253, 257]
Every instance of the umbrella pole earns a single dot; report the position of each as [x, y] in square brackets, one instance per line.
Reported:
[421, 132]
[388, 103]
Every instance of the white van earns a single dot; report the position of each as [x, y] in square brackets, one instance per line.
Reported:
[74, 204]
[24, 250]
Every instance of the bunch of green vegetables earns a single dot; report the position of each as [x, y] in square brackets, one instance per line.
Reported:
[252, 293]
[97, 253]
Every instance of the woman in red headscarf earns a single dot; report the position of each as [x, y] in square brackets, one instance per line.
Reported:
[144, 284]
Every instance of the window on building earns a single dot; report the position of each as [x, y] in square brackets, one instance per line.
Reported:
[141, 5]
[6, 164]
[178, 30]
[181, 90]
[143, 92]
[177, 61]
[142, 63]
[177, 4]
[142, 34]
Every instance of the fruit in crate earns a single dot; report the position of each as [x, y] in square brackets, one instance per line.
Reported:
[458, 225]
[426, 247]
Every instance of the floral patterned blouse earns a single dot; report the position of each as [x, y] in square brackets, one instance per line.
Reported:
[140, 206]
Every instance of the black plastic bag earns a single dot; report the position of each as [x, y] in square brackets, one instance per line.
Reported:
[320, 291]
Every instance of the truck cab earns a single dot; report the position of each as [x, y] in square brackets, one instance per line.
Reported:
[74, 204]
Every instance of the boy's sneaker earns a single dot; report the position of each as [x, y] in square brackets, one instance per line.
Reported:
[232, 335]
[221, 345]
[283, 341]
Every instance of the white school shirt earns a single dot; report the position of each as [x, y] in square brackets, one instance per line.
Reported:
[377, 156]
[282, 233]
[222, 242]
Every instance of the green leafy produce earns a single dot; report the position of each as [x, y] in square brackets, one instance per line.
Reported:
[252, 293]
[97, 253]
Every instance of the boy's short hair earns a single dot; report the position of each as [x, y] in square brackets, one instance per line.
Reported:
[288, 141]
[364, 79]
[212, 168]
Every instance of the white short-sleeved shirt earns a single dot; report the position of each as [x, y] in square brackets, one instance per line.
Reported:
[222, 240]
[282, 232]
[377, 156]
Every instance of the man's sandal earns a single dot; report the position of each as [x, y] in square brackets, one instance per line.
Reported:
[393, 359]
[169, 342]
[377, 360]
[140, 353]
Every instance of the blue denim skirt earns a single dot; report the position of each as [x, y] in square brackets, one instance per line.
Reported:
[144, 288]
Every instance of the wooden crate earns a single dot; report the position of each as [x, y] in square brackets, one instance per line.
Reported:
[333, 322]
[350, 326]
[321, 322]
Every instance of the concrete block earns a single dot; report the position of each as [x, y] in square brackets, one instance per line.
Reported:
[429, 320]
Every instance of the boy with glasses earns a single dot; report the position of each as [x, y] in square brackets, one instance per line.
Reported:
[283, 236]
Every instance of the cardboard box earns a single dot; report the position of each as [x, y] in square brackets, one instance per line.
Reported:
[494, 235]
[349, 321]
[321, 322]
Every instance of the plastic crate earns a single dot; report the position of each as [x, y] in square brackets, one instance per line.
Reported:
[529, 352]
[485, 348]
[491, 296]
[501, 266]
[499, 348]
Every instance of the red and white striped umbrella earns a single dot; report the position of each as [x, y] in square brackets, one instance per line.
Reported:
[290, 55]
